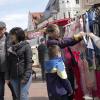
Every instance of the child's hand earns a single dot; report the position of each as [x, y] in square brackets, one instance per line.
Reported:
[70, 93]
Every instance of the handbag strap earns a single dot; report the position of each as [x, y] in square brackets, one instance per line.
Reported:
[73, 58]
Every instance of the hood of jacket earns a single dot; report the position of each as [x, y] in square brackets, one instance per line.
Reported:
[18, 46]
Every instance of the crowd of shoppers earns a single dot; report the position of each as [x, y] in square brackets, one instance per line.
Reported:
[16, 62]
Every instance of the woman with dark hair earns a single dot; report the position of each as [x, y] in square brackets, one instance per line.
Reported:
[20, 64]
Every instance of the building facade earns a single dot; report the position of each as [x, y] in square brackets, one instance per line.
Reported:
[33, 19]
[68, 8]
[62, 8]
[88, 3]
[52, 7]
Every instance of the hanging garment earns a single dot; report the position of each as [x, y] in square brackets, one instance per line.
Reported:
[74, 71]
[70, 31]
[88, 76]
[97, 21]
[90, 53]
[84, 22]
[77, 26]
[73, 28]
[67, 30]
[78, 93]
[96, 29]
[97, 56]
[98, 83]
[86, 80]
[69, 67]
[91, 19]
[87, 23]
[86, 83]
[81, 24]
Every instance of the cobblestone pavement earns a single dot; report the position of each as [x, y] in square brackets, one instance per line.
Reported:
[37, 90]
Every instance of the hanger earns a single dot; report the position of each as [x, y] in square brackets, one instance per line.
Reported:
[96, 5]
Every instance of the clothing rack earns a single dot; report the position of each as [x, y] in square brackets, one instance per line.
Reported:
[94, 7]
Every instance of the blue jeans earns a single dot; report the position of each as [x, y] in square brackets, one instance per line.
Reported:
[24, 89]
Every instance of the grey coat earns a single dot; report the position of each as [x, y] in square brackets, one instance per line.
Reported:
[20, 61]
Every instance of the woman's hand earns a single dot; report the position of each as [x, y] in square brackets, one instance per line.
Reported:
[90, 34]
[79, 36]
[7, 81]
[82, 34]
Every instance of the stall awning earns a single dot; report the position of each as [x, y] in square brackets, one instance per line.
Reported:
[61, 22]
[32, 35]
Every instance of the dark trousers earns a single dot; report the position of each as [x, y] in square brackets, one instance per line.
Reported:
[71, 79]
[42, 70]
[12, 91]
[2, 84]
[2, 87]
[65, 97]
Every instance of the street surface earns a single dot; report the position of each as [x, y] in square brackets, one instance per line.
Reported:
[37, 90]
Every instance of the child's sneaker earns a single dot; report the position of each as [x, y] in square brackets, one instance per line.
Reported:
[87, 97]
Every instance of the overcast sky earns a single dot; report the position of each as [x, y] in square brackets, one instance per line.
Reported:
[15, 12]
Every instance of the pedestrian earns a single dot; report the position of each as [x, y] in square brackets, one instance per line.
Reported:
[54, 38]
[58, 85]
[42, 50]
[20, 62]
[4, 45]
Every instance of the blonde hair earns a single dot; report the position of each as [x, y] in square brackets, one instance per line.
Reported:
[52, 28]
[54, 51]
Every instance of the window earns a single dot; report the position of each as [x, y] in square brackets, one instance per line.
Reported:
[64, 15]
[67, 1]
[54, 3]
[69, 14]
[48, 8]
[76, 12]
[63, 2]
[77, 1]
